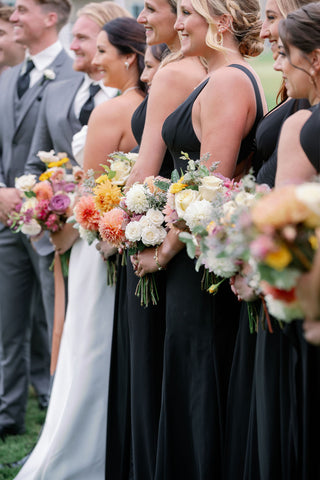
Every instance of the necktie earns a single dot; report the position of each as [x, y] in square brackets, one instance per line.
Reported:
[24, 80]
[88, 106]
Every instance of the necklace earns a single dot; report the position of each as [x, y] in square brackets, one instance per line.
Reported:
[128, 90]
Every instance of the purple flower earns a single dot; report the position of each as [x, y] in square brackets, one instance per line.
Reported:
[69, 187]
[59, 203]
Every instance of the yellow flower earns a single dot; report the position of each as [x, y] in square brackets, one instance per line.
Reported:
[313, 242]
[107, 196]
[177, 187]
[102, 179]
[58, 163]
[211, 226]
[213, 288]
[279, 259]
[45, 176]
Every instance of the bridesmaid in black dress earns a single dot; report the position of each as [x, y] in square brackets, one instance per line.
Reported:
[201, 329]
[137, 357]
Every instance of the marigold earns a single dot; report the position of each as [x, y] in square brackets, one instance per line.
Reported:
[279, 259]
[86, 213]
[111, 226]
[107, 196]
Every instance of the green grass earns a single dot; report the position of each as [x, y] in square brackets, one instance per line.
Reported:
[18, 446]
[270, 79]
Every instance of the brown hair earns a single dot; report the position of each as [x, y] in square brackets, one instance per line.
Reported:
[6, 12]
[61, 7]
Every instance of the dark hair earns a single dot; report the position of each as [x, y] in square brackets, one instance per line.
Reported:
[5, 12]
[128, 36]
[159, 51]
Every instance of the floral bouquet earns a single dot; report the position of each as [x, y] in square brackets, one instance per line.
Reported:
[143, 205]
[96, 213]
[284, 244]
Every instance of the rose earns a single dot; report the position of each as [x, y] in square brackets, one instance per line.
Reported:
[59, 203]
[228, 209]
[78, 174]
[49, 74]
[29, 204]
[155, 217]
[32, 228]
[152, 235]
[244, 199]
[143, 222]
[122, 170]
[210, 187]
[183, 200]
[198, 213]
[25, 183]
[136, 199]
[133, 231]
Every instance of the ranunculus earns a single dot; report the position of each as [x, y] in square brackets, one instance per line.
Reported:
[32, 228]
[183, 200]
[155, 217]
[59, 203]
[133, 231]
[210, 187]
[25, 183]
[198, 212]
[136, 199]
[152, 235]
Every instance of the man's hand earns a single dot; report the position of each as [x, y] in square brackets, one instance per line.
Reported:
[9, 199]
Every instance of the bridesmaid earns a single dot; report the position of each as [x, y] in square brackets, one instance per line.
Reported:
[201, 329]
[299, 61]
[137, 356]
[152, 58]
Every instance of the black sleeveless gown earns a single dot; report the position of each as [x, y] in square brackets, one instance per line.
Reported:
[199, 343]
[273, 432]
[136, 366]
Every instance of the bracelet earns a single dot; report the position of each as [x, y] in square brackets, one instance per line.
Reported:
[156, 259]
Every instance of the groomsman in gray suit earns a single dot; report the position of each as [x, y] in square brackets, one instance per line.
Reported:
[36, 25]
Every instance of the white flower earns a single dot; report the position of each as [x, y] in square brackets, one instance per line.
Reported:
[144, 222]
[132, 157]
[210, 187]
[32, 228]
[133, 231]
[228, 209]
[122, 170]
[49, 74]
[29, 204]
[244, 199]
[87, 235]
[155, 217]
[198, 213]
[136, 199]
[183, 200]
[152, 235]
[282, 310]
[223, 267]
[309, 194]
[47, 157]
[25, 183]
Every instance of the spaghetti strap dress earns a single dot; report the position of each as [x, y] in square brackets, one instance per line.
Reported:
[200, 336]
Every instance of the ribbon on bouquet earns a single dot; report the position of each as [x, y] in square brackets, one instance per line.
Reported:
[59, 311]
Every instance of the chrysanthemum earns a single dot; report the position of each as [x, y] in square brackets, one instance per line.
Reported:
[107, 196]
[111, 226]
[86, 213]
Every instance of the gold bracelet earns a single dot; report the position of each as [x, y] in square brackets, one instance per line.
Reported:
[156, 259]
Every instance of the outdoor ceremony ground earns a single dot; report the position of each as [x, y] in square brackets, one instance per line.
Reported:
[16, 447]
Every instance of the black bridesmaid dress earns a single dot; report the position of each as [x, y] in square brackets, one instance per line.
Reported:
[200, 336]
[136, 366]
[273, 431]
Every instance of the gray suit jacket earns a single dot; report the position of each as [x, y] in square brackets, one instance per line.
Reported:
[18, 117]
[57, 122]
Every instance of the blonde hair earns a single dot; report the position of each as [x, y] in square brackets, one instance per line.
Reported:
[101, 13]
[287, 6]
[245, 23]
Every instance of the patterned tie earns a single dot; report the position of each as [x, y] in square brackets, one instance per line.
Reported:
[88, 106]
[24, 80]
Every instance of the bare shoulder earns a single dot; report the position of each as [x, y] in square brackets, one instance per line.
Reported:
[295, 122]
[179, 73]
[108, 109]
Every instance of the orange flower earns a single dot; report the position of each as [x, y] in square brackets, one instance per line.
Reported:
[86, 213]
[111, 226]
[107, 196]
[43, 190]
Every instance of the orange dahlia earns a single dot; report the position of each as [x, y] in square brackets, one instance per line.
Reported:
[111, 226]
[86, 213]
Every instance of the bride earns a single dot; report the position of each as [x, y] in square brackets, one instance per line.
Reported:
[72, 442]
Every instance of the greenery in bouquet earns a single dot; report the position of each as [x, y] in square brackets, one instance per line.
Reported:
[144, 227]
[285, 240]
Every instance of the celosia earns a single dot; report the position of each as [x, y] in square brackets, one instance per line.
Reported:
[86, 213]
[111, 226]
[107, 196]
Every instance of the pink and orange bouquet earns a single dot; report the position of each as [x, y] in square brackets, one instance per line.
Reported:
[285, 224]
[46, 205]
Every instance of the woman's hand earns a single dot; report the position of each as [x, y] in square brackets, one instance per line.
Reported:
[65, 238]
[144, 262]
[312, 331]
[106, 249]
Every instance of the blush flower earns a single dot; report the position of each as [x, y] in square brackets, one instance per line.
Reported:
[86, 213]
[43, 190]
[111, 227]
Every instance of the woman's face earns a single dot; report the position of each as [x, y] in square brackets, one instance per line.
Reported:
[151, 65]
[294, 72]
[269, 29]
[192, 29]
[158, 20]
[108, 60]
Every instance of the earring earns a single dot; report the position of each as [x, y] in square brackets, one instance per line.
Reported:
[126, 64]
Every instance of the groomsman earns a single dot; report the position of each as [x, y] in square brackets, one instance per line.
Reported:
[11, 52]
[36, 26]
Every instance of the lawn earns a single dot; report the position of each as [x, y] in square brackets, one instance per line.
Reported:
[271, 80]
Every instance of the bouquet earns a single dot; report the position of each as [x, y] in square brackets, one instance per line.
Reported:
[96, 213]
[47, 204]
[143, 205]
[284, 243]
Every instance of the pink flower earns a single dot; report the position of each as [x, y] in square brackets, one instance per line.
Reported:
[43, 190]
[53, 223]
[111, 226]
[59, 203]
[262, 246]
[42, 209]
[86, 213]
[57, 174]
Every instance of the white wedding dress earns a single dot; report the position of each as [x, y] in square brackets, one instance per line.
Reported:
[72, 444]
